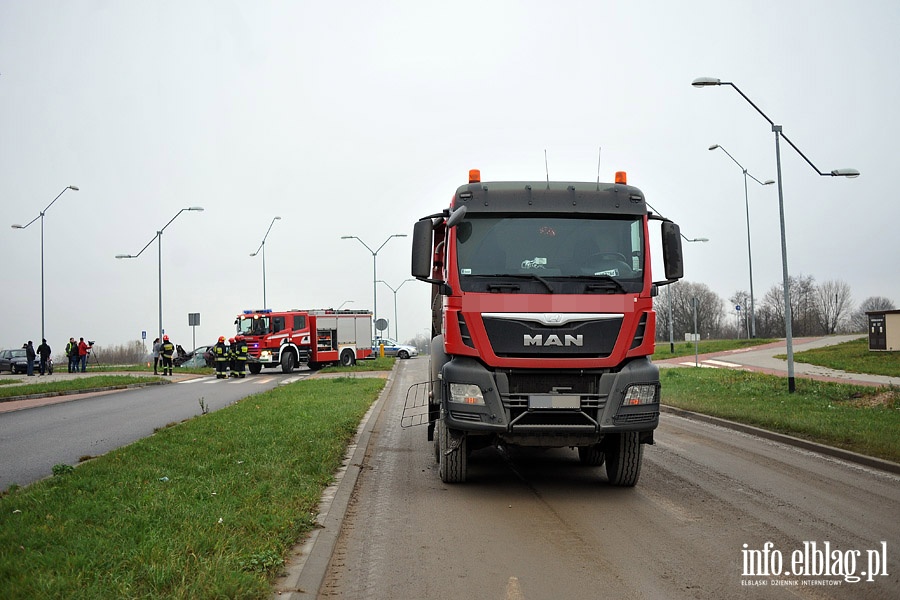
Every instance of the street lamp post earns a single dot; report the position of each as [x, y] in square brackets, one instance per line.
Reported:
[669, 295]
[396, 335]
[749, 253]
[374, 273]
[777, 130]
[41, 217]
[158, 236]
[262, 246]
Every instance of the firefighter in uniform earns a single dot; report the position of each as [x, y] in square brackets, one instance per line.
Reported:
[239, 350]
[167, 350]
[232, 358]
[220, 351]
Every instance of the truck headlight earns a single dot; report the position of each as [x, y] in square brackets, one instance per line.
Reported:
[641, 394]
[466, 393]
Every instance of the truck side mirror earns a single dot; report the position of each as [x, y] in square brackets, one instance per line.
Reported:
[422, 249]
[671, 247]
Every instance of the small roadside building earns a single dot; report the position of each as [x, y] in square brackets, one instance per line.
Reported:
[884, 330]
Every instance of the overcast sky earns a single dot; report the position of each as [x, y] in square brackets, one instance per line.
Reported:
[358, 118]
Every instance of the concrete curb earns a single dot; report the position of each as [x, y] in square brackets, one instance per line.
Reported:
[306, 574]
[853, 457]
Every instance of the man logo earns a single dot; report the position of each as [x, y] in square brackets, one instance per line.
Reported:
[553, 340]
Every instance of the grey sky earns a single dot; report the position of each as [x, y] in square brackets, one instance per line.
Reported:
[357, 118]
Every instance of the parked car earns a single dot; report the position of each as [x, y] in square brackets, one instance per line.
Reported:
[392, 348]
[16, 361]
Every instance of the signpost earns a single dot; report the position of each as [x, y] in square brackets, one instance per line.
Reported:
[194, 322]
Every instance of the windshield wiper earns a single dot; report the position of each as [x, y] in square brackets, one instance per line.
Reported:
[501, 286]
[603, 283]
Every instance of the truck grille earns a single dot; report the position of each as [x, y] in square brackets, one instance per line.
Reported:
[511, 337]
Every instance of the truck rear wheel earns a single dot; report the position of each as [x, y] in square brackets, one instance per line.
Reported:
[623, 458]
[287, 361]
[591, 456]
[347, 358]
[452, 455]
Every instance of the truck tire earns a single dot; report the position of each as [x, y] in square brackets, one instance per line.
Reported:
[591, 456]
[451, 464]
[255, 368]
[287, 361]
[347, 358]
[623, 458]
[435, 363]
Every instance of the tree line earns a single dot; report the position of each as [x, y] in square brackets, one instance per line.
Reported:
[816, 309]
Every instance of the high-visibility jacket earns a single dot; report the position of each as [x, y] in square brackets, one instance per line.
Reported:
[167, 349]
[220, 351]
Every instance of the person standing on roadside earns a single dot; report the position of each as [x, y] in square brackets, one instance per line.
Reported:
[220, 351]
[44, 352]
[82, 355]
[72, 354]
[167, 350]
[156, 345]
[29, 356]
[239, 349]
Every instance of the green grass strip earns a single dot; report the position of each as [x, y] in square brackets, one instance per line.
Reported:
[862, 419]
[854, 357]
[204, 509]
[76, 384]
[664, 349]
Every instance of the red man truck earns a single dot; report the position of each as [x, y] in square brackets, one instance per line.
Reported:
[543, 321]
[312, 337]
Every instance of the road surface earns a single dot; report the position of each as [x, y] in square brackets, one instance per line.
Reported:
[713, 507]
[37, 434]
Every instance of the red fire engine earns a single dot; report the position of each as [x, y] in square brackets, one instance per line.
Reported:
[312, 337]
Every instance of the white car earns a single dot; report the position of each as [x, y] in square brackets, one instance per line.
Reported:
[392, 348]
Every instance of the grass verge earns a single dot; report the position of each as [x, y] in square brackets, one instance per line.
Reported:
[381, 363]
[854, 357]
[862, 419]
[204, 509]
[70, 385]
[663, 349]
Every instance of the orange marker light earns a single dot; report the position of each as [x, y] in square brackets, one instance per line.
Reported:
[621, 177]
[474, 176]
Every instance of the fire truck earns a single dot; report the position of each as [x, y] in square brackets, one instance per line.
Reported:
[315, 338]
[543, 321]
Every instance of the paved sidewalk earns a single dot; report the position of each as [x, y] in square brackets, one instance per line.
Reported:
[762, 359]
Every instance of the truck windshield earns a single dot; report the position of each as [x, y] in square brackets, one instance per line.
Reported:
[538, 254]
[253, 325]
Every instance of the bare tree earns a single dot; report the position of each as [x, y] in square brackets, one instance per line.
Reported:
[803, 308]
[859, 321]
[709, 310]
[833, 304]
[742, 299]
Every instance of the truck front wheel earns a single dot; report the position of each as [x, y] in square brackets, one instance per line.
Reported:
[287, 361]
[623, 458]
[452, 455]
[255, 368]
[591, 456]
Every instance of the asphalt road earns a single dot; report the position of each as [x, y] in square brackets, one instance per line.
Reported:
[47, 432]
[532, 524]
